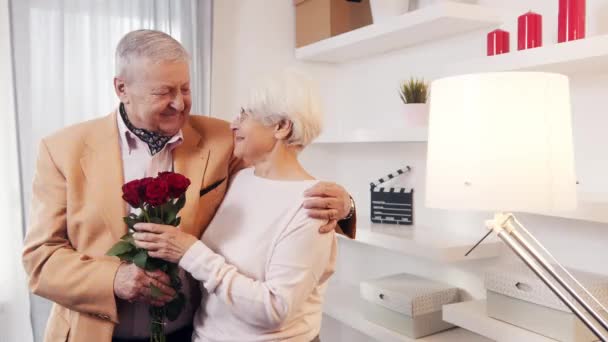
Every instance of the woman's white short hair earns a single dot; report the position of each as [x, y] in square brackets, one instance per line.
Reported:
[155, 46]
[289, 95]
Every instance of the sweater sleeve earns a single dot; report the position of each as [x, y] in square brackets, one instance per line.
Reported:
[301, 259]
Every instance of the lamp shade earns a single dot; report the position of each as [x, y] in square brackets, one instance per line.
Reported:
[501, 142]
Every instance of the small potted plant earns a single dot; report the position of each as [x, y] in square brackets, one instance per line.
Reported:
[414, 94]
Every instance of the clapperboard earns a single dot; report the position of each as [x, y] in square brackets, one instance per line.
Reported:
[392, 205]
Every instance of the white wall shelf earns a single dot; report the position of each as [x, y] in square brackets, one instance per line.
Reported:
[425, 242]
[579, 56]
[472, 316]
[431, 23]
[398, 132]
[343, 303]
[591, 207]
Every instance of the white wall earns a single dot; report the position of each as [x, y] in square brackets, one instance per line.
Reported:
[14, 300]
[255, 37]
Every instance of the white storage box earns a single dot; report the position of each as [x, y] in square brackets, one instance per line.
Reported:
[407, 304]
[518, 297]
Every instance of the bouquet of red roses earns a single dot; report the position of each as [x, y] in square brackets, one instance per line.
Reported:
[159, 200]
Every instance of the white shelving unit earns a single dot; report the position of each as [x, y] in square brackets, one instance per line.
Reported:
[432, 24]
[579, 56]
[425, 242]
[399, 132]
[590, 208]
[472, 316]
[427, 24]
[343, 303]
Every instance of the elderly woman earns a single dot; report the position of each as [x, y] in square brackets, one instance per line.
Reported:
[261, 260]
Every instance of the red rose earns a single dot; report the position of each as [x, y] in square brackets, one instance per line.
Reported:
[143, 185]
[178, 184]
[164, 175]
[157, 192]
[131, 194]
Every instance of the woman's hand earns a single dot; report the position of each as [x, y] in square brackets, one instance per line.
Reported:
[163, 242]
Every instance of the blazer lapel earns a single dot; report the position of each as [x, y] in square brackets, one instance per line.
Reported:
[103, 169]
[190, 159]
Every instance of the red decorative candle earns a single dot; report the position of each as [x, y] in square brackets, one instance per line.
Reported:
[498, 42]
[571, 20]
[529, 31]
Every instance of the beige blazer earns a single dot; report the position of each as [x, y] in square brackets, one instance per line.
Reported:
[77, 210]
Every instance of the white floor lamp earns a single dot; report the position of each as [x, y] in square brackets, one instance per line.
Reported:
[502, 142]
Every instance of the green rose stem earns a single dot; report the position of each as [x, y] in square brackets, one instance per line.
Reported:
[157, 314]
[146, 216]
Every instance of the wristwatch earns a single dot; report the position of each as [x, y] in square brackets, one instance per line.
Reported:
[351, 212]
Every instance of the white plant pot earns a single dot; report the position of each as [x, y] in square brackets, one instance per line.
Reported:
[386, 9]
[416, 114]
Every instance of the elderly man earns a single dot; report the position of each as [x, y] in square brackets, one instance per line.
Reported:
[77, 208]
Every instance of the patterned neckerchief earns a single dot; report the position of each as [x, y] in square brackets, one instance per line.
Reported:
[155, 141]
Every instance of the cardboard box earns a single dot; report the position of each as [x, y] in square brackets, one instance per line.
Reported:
[407, 304]
[321, 19]
[516, 296]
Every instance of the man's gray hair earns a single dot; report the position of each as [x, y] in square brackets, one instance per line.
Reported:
[155, 46]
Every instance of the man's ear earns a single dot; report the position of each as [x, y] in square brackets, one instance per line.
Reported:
[283, 129]
[120, 87]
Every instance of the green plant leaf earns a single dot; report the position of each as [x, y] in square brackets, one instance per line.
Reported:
[155, 291]
[119, 248]
[152, 212]
[154, 264]
[130, 221]
[170, 216]
[128, 238]
[175, 307]
[173, 273]
[165, 209]
[403, 99]
[141, 259]
[156, 219]
[173, 270]
[128, 256]
[414, 91]
[180, 202]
